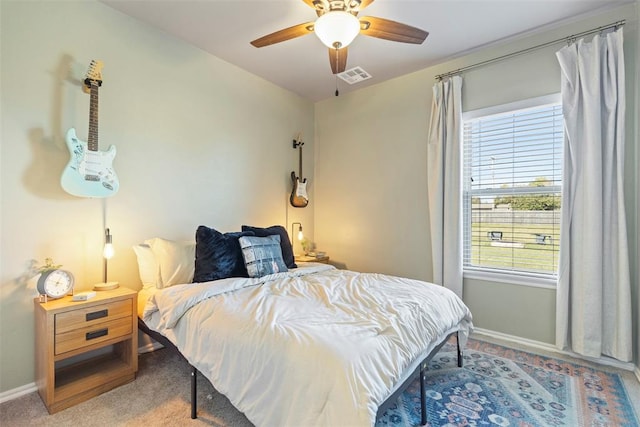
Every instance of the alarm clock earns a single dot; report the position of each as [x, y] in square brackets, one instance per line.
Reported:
[55, 283]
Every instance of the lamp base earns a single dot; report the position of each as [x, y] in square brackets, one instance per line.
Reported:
[105, 286]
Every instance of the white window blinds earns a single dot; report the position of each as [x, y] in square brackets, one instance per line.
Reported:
[512, 189]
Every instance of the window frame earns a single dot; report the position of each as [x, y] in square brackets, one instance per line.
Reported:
[523, 278]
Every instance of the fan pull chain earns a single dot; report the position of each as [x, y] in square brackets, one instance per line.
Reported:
[337, 65]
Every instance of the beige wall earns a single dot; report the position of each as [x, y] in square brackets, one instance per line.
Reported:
[371, 157]
[199, 142]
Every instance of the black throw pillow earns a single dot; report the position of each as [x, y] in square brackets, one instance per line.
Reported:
[218, 255]
[285, 243]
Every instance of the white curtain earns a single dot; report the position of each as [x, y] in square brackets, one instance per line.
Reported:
[593, 306]
[445, 183]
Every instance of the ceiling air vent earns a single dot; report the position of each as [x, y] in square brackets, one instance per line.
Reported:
[354, 75]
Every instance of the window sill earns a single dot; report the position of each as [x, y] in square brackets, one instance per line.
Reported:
[520, 279]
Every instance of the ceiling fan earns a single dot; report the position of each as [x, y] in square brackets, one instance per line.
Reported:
[337, 25]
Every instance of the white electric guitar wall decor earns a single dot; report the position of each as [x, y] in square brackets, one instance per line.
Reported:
[89, 172]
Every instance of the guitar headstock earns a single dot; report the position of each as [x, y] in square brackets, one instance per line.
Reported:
[297, 142]
[94, 73]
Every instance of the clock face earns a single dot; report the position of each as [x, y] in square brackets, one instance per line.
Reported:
[55, 283]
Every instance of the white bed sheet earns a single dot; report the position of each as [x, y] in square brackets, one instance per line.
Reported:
[315, 346]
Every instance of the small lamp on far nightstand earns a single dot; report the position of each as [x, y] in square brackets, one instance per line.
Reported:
[300, 235]
[107, 253]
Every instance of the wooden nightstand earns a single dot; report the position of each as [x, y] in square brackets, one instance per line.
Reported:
[66, 328]
[305, 258]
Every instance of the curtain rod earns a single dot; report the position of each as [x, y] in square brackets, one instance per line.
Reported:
[569, 39]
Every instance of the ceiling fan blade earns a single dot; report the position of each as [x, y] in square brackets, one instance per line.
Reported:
[391, 30]
[357, 6]
[338, 59]
[284, 35]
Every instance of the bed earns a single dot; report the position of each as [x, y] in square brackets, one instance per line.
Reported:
[311, 345]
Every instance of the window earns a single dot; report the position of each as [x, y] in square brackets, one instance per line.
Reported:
[512, 188]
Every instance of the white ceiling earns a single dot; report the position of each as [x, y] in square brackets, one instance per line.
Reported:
[225, 27]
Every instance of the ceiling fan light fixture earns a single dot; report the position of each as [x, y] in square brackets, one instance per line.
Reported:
[337, 29]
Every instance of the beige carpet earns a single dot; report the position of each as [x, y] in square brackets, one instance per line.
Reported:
[151, 400]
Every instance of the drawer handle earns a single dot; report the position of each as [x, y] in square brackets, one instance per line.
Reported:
[97, 334]
[97, 314]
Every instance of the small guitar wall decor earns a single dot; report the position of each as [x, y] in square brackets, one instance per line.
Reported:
[299, 197]
[89, 172]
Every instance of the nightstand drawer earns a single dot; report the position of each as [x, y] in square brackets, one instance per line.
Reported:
[90, 316]
[93, 334]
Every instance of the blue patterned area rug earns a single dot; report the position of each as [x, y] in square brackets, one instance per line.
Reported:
[501, 386]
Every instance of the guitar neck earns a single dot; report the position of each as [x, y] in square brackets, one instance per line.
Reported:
[300, 159]
[92, 140]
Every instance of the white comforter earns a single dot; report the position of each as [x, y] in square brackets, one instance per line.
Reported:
[314, 346]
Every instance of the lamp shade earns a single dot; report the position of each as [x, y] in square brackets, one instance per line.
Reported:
[337, 29]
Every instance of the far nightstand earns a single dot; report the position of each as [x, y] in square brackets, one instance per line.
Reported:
[305, 258]
[66, 328]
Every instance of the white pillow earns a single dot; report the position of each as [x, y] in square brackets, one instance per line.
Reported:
[176, 261]
[148, 266]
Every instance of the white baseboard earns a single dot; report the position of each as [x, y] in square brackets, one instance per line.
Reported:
[608, 361]
[17, 392]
